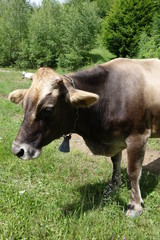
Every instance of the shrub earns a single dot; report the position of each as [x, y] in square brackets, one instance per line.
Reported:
[123, 26]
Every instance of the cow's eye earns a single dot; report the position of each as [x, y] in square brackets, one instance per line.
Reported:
[48, 110]
[45, 112]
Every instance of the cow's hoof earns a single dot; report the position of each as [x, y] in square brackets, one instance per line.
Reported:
[134, 211]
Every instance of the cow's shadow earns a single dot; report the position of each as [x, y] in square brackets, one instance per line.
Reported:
[92, 194]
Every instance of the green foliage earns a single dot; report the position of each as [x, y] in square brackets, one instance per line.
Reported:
[44, 36]
[14, 17]
[149, 45]
[100, 54]
[49, 35]
[22, 60]
[125, 22]
[80, 26]
[104, 6]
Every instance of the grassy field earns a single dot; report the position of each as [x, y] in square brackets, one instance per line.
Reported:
[58, 196]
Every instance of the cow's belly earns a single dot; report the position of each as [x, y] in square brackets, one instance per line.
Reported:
[109, 149]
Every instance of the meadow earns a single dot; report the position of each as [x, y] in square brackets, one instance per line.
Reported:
[59, 196]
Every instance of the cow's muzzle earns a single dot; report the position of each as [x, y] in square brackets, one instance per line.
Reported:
[25, 151]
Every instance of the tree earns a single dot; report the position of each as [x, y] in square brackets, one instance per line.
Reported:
[43, 36]
[125, 22]
[49, 35]
[104, 6]
[80, 26]
[14, 17]
[149, 45]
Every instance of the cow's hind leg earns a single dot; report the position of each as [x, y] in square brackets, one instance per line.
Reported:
[116, 176]
[135, 150]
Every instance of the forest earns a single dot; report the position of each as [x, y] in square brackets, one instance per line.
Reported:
[65, 35]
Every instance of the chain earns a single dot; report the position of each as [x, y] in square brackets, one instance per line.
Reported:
[77, 113]
[76, 118]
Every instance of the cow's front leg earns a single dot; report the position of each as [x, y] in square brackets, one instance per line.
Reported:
[116, 177]
[135, 150]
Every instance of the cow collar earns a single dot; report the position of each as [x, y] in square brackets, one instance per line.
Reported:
[64, 147]
[76, 113]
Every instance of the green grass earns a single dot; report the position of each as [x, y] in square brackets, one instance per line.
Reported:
[58, 196]
[100, 55]
[154, 143]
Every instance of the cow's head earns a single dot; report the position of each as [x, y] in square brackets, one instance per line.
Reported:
[49, 109]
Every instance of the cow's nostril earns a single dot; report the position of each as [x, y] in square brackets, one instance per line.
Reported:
[25, 151]
[20, 153]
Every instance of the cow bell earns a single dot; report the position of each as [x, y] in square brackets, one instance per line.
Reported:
[64, 147]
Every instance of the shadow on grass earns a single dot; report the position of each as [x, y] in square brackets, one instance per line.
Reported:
[92, 194]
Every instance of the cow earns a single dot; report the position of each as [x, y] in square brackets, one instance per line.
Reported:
[113, 106]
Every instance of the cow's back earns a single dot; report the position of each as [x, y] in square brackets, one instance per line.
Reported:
[137, 91]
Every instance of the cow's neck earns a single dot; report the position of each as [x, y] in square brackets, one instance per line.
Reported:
[86, 120]
[89, 80]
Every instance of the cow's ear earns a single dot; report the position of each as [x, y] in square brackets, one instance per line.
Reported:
[82, 99]
[17, 95]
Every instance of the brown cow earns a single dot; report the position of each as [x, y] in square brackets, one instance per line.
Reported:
[118, 107]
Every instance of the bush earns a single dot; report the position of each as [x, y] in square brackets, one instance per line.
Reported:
[149, 45]
[123, 26]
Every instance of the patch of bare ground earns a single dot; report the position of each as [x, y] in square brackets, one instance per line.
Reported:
[151, 161]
